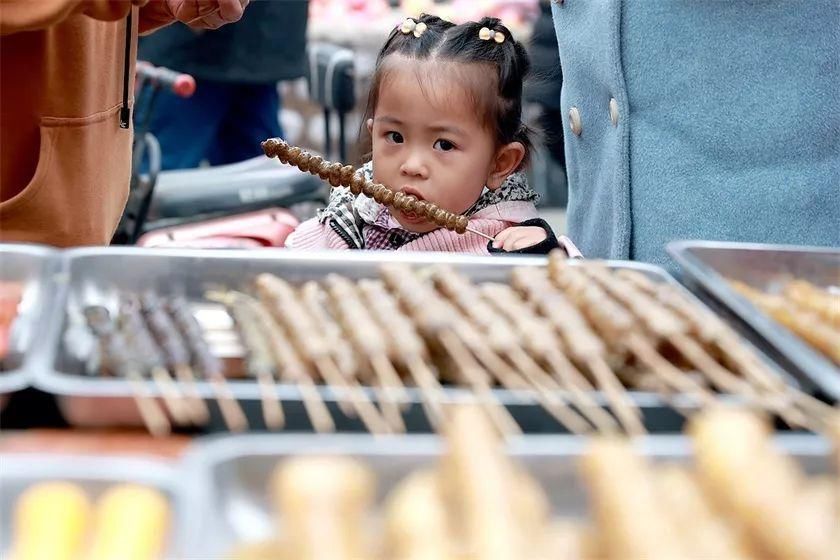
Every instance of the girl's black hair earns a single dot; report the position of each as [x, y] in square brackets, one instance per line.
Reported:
[498, 102]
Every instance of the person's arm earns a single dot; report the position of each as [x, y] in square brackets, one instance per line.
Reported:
[198, 14]
[31, 15]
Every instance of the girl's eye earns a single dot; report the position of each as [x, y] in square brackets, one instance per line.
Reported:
[394, 137]
[444, 145]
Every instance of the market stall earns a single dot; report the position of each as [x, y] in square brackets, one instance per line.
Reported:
[295, 344]
[256, 404]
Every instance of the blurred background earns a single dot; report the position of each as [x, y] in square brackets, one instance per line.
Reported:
[301, 70]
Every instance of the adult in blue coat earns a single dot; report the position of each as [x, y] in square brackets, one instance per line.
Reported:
[705, 120]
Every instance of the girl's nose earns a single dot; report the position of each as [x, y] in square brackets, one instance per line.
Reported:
[413, 166]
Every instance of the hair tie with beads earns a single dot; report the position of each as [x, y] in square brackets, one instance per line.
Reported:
[411, 26]
[485, 34]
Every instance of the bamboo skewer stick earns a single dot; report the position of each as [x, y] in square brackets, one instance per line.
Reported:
[292, 369]
[666, 324]
[172, 397]
[405, 346]
[315, 300]
[137, 335]
[175, 353]
[207, 364]
[153, 417]
[581, 343]
[260, 360]
[537, 335]
[659, 321]
[440, 323]
[612, 320]
[284, 306]
[370, 342]
[115, 356]
[475, 376]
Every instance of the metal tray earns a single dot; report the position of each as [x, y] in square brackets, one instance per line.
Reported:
[32, 265]
[94, 276]
[229, 474]
[709, 264]
[94, 473]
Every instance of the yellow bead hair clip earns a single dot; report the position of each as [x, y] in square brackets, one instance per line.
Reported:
[411, 26]
[485, 34]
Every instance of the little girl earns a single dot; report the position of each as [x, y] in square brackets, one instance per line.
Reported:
[445, 119]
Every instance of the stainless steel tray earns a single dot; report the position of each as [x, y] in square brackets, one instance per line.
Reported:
[94, 473]
[94, 276]
[31, 265]
[708, 264]
[229, 474]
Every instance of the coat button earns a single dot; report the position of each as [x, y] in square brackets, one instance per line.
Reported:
[614, 111]
[574, 121]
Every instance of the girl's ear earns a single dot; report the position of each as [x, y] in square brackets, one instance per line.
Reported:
[507, 159]
[369, 124]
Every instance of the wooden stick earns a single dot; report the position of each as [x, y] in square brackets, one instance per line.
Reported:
[171, 395]
[625, 410]
[572, 381]
[340, 349]
[665, 370]
[291, 368]
[118, 357]
[441, 325]
[232, 412]
[713, 331]
[207, 363]
[726, 381]
[316, 408]
[484, 235]
[536, 334]
[173, 350]
[368, 414]
[260, 358]
[432, 391]
[153, 416]
[475, 376]
[273, 415]
[370, 341]
[198, 408]
[546, 389]
[388, 381]
[404, 345]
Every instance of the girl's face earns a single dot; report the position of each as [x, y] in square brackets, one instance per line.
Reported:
[430, 143]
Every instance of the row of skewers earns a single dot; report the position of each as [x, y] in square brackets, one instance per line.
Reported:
[559, 333]
[809, 311]
[739, 499]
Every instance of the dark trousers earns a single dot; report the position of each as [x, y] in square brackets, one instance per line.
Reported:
[221, 123]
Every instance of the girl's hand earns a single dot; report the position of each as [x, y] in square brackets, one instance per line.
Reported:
[519, 237]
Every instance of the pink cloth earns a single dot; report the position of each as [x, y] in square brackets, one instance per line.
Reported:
[491, 220]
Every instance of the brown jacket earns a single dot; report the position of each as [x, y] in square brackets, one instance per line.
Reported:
[64, 81]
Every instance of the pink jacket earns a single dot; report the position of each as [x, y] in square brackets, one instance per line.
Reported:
[491, 220]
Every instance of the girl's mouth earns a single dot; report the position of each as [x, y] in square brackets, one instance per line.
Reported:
[412, 217]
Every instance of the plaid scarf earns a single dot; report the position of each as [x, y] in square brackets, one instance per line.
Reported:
[363, 223]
